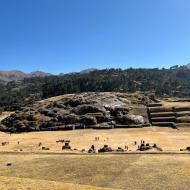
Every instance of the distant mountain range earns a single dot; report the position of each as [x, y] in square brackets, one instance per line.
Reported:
[16, 75]
[87, 71]
[188, 65]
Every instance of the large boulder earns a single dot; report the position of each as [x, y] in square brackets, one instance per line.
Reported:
[74, 102]
[44, 111]
[102, 118]
[103, 126]
[68, 119]
[47, 125]
[131, 119]
[32, 125]
[87, 108]
[115, 111]
[3, 128]
[88, 120]
[19, 126]
[59, 104]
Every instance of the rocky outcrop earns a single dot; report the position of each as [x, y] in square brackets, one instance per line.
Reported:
[131, 119]
[77, 111]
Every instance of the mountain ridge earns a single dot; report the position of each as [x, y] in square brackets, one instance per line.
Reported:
[16, 75]
[188, 65]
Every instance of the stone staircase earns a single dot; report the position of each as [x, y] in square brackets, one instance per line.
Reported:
[162, 116]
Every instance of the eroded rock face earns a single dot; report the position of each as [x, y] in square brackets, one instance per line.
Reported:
[87, 108]
[131, 119]
[76, 111]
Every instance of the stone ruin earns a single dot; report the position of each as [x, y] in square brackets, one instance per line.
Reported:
[78, 111]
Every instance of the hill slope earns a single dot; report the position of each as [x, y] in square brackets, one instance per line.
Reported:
[79, 111]
[162, 82]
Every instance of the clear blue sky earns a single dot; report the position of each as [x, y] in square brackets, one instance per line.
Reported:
[71, 35]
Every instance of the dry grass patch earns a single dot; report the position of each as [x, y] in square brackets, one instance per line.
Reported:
[168, 139]
[137, 172]
[14, 183]
[175, 104]
[4, 115]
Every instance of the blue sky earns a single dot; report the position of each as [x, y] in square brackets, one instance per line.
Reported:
[71, 35]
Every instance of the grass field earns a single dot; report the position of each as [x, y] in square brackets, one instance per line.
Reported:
[168, 139]
[37, 169]
[175, 104]
[133, 172]
[16, 183]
